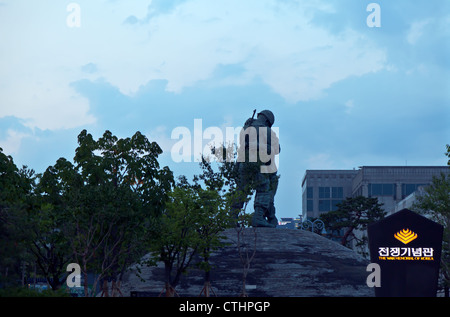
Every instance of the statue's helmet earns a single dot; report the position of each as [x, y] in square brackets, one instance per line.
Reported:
[269, 116]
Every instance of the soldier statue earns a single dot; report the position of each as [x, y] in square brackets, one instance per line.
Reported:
[256, 169]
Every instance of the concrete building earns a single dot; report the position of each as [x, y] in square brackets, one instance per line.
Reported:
[323, 189]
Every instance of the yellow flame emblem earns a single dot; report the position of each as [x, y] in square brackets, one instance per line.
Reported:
[405, 236]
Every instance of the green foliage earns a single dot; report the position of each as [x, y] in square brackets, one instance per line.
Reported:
[97, 211]
[177, 240]
[435, 204]
[122, 189]
[213, 219]
[435, 201]
[352, 217]
[46, 222]
[193, 220]
[16, 187]
[221, 174]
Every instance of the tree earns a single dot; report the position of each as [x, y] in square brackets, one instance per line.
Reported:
[178, 239]
[214, 215]
[352, 217]
[246, 245]
[224, 181]
[434, 203]
[97, 211]
[16, 190]
[46, 221]
[192, 224]
[123, 188]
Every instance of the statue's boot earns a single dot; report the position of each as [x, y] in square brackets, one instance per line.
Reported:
[273, 221]
[259, 220]
[271, 218]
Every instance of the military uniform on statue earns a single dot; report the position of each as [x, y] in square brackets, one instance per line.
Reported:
[256, 168]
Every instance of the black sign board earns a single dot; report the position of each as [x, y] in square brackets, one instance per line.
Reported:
[407, 247]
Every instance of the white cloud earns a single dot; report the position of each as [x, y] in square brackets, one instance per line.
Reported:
[161, 136]
[38, 62]
[11, 144]
[40, 56]
[45, 104]
[349, 105]
[416, 31]
[307, 70]
[272, 41]
[295, 58]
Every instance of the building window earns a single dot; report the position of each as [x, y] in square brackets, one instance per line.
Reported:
[381, 190]
[408, 189]
[324, 192]
[331, 192]
[328, 205]
[337, 192]
[334, 203]
[309, 205]
[310, 192]
[324, 205]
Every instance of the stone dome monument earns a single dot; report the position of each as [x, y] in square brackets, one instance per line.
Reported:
[286, 263]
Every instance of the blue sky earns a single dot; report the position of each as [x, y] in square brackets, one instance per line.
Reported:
[344, 94]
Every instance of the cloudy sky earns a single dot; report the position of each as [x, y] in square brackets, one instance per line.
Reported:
[344, 94]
